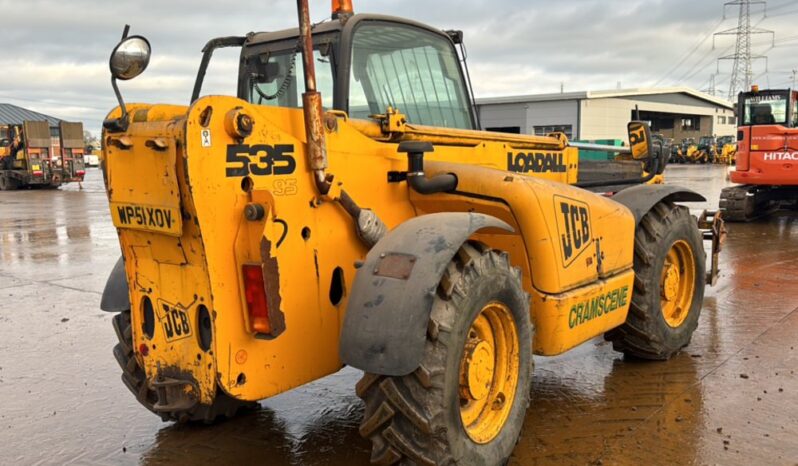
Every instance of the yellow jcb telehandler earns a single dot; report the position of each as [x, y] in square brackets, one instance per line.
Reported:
[342, 209]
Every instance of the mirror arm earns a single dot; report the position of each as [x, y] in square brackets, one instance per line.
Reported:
[117, 125]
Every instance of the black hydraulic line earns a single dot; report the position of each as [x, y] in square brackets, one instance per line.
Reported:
[349, 205]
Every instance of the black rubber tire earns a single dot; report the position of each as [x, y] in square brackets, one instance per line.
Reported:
[645, 334]
[415, 419]
[7, 183]
[133, 377]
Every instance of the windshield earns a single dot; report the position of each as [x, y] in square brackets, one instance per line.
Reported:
[765, 109]
[276, 78]
[726, 140]
[409, 69]
[706, 140]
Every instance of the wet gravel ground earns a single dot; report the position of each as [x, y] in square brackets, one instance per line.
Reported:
[730, 398]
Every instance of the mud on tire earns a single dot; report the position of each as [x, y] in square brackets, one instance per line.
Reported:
[646, 334]
[134, 379]
[415, 419]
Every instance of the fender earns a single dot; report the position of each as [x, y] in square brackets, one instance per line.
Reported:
[642, 198]
[116, 295]
[386, 321]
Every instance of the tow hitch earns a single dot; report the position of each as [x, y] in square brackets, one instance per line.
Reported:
[713, 229]
[174, 394]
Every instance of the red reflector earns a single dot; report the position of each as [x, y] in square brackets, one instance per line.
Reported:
[144, 350]
[255, 293]
[80, 172]
[37, 173]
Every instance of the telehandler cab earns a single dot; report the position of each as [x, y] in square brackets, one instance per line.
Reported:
[273, 237]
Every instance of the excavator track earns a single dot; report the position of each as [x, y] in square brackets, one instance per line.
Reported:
[747, 202]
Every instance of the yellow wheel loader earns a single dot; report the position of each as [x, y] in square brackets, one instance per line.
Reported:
[707, 150]
[343, 209]
[728, 152]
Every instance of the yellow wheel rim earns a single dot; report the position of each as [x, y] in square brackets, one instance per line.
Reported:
[677, 284]
[489, 372]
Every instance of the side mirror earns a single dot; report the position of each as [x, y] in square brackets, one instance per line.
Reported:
[639, 140]
[130, 57]
[128, 60]
[642, 148]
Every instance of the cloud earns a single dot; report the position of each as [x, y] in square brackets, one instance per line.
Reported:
[55, 52]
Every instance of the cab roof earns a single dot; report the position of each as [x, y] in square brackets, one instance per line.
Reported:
[332, 25]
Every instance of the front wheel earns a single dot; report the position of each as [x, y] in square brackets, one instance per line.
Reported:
[465, 403]
[669, 266]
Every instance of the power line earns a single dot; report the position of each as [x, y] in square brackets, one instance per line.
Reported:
[689, 54]
[742, 72]
[782, 5]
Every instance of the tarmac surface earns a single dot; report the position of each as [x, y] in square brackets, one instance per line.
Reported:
[730, 398]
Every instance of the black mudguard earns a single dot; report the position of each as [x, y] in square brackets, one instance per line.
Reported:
[640, 199]
[388, 313]
[116, 295]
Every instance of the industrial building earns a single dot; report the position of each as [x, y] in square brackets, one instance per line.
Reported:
[13, 115]
[677, 112]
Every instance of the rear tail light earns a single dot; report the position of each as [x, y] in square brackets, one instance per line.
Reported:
[80, 172]
[255, 293]
[38, 173]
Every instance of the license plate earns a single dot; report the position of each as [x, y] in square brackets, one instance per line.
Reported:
[174, 320]
[36, 167]
[144, 217]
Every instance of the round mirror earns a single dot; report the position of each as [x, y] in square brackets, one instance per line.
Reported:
[130, 58]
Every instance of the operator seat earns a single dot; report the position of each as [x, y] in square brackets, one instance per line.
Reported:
[762, 114]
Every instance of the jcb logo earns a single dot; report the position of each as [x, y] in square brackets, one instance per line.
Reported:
[573, 225]
[174, 321]
[260, 159]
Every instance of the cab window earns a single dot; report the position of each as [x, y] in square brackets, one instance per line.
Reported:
[276, 78]
[765, 109]
[410, 69]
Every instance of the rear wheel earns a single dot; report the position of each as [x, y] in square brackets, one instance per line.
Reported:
[135, 380]
[465, 403]
[7, 183]
[669, 265]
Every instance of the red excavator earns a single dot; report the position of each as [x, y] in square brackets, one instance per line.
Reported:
[767, 156]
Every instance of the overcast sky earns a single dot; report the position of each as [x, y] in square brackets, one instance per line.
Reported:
[55, 53]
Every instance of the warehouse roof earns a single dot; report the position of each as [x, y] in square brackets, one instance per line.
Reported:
[617, 93]
[12, 115]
